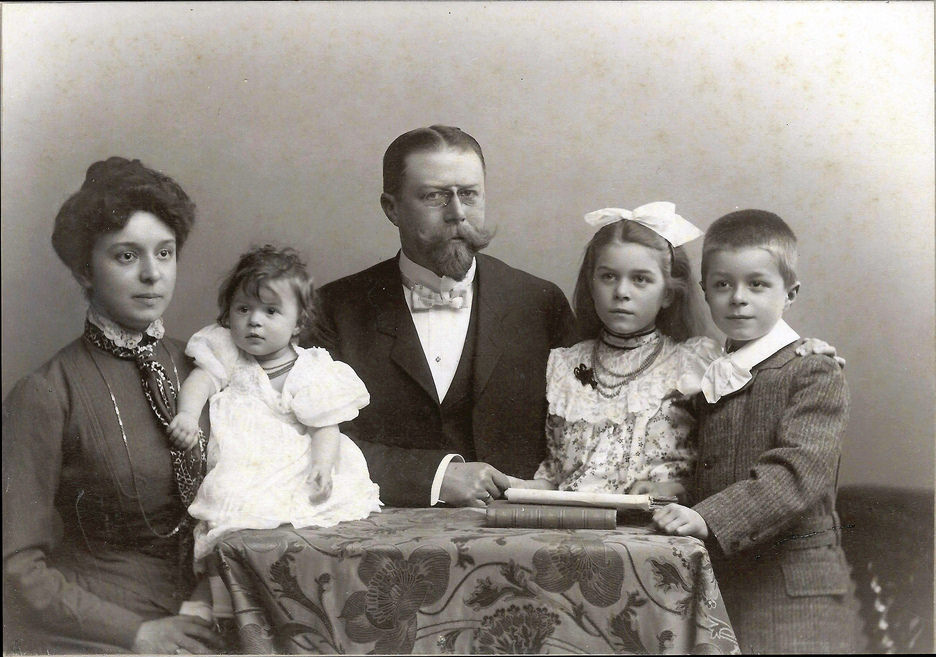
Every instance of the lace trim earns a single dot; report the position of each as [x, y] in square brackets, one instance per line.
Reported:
[121, 336]
[573, 400]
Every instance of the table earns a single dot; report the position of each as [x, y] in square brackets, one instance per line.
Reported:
[439, 581]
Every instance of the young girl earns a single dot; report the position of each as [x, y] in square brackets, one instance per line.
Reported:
[617, 422]
[275, 453]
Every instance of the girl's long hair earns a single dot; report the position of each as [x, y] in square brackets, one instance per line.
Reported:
[679, 320]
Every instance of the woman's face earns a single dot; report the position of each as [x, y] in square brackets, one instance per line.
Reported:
[133, 271]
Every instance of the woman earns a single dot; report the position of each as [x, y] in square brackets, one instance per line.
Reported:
[96, 539]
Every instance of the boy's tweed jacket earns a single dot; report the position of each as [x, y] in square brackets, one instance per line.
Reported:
[765, 485]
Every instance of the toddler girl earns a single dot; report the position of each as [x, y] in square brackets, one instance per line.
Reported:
[617, 422]
[275, 453]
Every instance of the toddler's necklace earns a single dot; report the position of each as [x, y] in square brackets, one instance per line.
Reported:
[611, 389]
[279, 370]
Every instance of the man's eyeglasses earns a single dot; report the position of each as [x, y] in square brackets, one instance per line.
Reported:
[442, 197]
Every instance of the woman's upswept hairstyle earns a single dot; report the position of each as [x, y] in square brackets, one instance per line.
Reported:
[262, 265]
[679, 320]
[113, 190]
[433, 138]
[753, 229]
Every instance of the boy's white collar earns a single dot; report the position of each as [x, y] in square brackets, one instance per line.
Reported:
[731, 372]
[759, 350]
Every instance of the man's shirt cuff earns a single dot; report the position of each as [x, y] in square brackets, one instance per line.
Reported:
[439, 476]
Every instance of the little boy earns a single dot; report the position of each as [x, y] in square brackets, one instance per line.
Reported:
[770, 434]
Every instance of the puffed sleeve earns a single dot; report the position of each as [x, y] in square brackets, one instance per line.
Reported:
[695, 355]
[322, 392]
[33, 431]
[214, 351]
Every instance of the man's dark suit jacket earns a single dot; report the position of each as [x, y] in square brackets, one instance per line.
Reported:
[520, 318]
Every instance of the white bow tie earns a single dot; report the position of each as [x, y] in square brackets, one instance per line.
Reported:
[424, 298]
[722, 377]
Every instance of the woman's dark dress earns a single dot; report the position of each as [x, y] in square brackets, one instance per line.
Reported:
[82, 565]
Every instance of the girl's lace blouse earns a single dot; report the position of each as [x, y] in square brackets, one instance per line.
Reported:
[644, 432]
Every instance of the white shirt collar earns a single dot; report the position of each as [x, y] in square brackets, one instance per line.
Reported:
[425, 277]
[759, 350]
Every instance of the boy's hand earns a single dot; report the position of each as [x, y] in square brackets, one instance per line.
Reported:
[183, 431]
[681, 521]
[821, 348]
[320, 481]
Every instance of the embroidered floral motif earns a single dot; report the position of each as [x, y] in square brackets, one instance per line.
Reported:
[515, 631]
[595, 567]
[397, 588]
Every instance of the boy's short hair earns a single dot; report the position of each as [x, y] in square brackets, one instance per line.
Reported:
[757, 229]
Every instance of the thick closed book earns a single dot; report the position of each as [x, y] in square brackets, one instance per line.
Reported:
[549, 516]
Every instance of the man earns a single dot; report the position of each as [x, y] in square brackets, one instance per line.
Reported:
[452, 345]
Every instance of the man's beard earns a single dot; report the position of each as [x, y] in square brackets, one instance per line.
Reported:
[453, 257]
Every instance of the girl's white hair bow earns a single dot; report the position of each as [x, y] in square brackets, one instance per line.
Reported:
[659, 216]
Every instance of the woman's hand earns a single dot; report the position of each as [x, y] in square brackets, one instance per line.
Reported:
[183, 430]
[176, 635]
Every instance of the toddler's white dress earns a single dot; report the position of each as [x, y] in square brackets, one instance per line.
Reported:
[259, 452]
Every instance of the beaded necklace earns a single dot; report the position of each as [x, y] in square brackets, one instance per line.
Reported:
[606, 381]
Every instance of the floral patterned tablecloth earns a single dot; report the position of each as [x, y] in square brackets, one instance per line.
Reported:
[439, 581]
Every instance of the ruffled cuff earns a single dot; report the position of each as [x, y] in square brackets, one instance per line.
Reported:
[214, 351]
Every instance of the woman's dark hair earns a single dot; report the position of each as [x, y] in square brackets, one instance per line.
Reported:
[262, 265]
[679, 320]
[113, 190]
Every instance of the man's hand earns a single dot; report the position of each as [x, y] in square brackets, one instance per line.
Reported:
[680, 520]
[176, 634]
[183, 430]
[472, 484]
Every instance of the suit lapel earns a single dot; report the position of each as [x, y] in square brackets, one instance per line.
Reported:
[778, 359]
[394, 319]
[491, 298]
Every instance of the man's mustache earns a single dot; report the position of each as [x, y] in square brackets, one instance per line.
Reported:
[475, 237]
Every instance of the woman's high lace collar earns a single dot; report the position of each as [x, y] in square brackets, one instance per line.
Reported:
[123, 337]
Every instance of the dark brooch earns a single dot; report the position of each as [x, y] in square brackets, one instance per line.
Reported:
[585, 375]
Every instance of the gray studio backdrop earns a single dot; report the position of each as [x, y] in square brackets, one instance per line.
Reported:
[274, 117]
